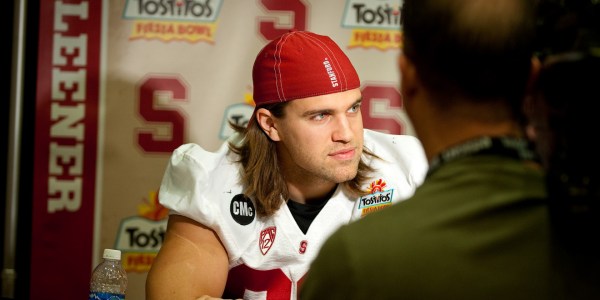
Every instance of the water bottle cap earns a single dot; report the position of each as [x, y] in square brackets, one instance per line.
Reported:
[112, 254]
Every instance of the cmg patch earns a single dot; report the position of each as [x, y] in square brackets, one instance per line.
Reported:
[242, 209]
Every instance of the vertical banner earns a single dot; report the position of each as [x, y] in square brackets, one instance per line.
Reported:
[67, 105]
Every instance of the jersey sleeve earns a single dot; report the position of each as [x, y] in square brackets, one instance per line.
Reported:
[404, 153]
[205, 186]
[187, 181]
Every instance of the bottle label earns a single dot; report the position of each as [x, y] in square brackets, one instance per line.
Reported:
[106, 296]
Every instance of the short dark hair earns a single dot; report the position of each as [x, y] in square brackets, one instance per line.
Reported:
[478, 49]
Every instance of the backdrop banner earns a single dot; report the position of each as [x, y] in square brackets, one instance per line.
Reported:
[122, 83]
[66, 144]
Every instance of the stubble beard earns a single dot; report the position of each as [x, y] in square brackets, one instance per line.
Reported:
[345, 171]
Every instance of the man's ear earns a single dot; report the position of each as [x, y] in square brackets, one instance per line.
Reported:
[408, 76]
[267, 123]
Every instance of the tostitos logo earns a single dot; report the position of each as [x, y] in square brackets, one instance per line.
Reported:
[374, 23]
[189, 21]
[379, 198]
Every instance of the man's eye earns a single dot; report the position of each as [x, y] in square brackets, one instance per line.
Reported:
[354, 108]
[319, 117]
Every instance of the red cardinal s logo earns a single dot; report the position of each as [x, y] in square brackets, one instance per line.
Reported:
[303, 245]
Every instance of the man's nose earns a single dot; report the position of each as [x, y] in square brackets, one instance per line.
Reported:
[343, 130]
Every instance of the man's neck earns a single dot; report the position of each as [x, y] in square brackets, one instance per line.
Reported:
[440, 127]
[441, 135]
[307, 192]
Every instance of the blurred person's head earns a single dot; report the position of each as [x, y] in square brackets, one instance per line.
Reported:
[560, 112]
[475, 49]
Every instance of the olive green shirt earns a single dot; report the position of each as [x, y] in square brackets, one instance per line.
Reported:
[478, 228]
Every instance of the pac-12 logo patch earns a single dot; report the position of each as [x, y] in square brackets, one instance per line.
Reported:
[242, 209]
[267, 238]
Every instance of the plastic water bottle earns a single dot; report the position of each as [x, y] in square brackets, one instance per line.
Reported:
[109, 279]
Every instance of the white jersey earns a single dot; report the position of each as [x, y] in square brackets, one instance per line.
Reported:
[269, 256]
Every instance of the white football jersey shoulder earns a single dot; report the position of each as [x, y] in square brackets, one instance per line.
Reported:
[271, 255]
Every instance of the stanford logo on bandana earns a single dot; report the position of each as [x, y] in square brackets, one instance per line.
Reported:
[267, 238]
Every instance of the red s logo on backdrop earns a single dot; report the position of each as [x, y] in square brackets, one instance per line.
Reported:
[270, 30]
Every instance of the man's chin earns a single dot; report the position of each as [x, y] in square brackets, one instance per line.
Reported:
[346, 176]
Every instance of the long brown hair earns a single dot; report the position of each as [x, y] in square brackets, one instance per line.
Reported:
[261, 175]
